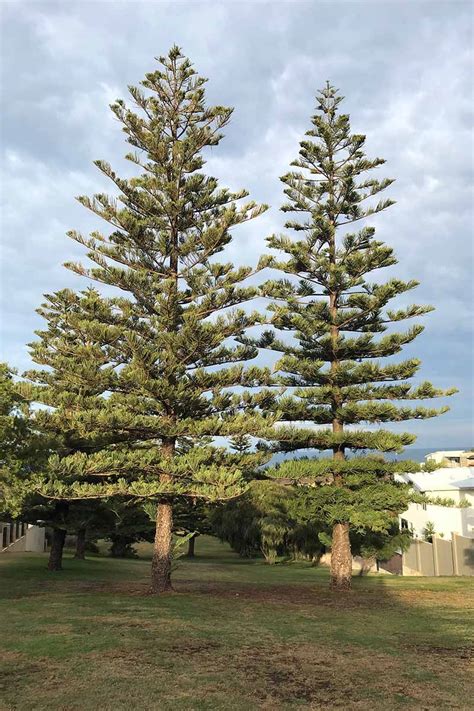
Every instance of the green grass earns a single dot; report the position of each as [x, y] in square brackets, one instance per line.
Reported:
[235, 635]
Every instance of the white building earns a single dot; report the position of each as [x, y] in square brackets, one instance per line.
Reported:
[452, 458]
[456, 484]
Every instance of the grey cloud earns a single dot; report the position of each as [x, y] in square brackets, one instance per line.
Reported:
[404, 68]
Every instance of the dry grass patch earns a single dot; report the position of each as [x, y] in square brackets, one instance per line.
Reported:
[236, 636]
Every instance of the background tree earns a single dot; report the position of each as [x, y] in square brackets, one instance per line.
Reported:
[128, 523]
[332, 314]
[21, 445]
[163, 357]
[76, 373]
[269, 520]
[192, 517]
[24, 450]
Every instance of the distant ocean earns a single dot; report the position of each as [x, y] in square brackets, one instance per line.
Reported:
[414, 454]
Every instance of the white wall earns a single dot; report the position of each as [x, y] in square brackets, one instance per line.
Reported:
[446, 520]
[35, 539]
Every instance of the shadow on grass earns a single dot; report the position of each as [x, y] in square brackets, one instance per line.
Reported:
[235, 635]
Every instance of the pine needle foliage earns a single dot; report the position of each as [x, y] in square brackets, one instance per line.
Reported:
[162, 354]
[334, 329]
[22, 448]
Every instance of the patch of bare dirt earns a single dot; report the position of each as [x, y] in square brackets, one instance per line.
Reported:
[302, 594]
[266, 676]
[18, 669]
[462, 654]
[344, 678]
[281, 676]
[192, 647]
[376, 596]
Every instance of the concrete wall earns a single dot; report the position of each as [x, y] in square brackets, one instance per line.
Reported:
[394, 565]
[17, 537]
[463, 555]
[360, 566]
[418, 559]
[442, 557]
[35, 539]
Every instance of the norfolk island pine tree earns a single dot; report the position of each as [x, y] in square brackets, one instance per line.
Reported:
[171, 365]
[68, 353]
[333, 362]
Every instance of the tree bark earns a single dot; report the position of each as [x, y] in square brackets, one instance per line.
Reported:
[191, 546]
[341, 558]
[55, 561]
[367, 564]
[161, 561]
[122, 547]
[80, 553]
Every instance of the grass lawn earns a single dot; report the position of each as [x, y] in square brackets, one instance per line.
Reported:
[235, 635]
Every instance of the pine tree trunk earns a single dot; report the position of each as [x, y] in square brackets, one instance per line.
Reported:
[161, 561]
[122, 547]
[341, 558]
[80, 553]
[55, 561]
[367, 564]
[191, 546]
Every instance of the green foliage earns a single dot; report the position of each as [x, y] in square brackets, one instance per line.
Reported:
[380, 545]
[333, 328]
[178, 549]
[125, 523]
[429, 531]
[138, 384]
[267, 521]
[23, 448]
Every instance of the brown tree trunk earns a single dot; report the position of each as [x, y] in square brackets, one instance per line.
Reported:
[80, 553]
[55, 561]
[161, 561]
[191, 546]
[122, 546]
[341, 558]
[367, 564]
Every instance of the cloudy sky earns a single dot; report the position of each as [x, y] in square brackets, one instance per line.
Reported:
[403, 66]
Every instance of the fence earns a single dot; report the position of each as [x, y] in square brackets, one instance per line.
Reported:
[18, 536]
[441, 557]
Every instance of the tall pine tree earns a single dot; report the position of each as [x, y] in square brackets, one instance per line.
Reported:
[163, 356]
[332, 314]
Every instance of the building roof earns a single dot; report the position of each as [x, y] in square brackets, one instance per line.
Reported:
[444, 479]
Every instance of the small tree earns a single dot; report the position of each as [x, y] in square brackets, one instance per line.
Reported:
[334, 313]
[76, 373]
[167, 348]
[429, 531]
[128, 523]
